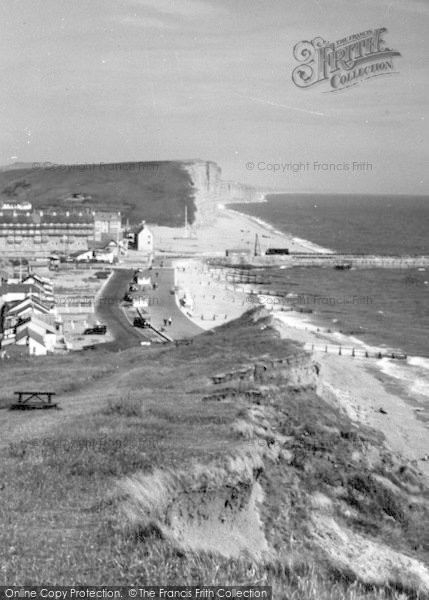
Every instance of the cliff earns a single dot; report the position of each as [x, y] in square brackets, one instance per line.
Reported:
[155, 191]
[210, 190]
[164, 474]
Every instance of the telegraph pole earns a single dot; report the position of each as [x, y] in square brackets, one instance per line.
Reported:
[257, 246]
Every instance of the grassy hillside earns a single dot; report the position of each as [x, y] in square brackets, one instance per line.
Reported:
[156, 192]
[145, 477]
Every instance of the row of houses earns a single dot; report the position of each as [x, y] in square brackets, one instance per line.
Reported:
[65, 232]
[28, 316]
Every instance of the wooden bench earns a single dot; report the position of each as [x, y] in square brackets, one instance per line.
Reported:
[33, 400]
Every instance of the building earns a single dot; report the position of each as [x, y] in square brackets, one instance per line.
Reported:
[18, 311]
[107, 224]
[276, 251]
[238, 252]
[106, 256]
[34, 341]
[25, 206]
[144, 239]
[44, 282]
[82, 255]
[12, 292]
[40, 337]
[106, 250]
[39, 232]
[142, 280]
[29, 316]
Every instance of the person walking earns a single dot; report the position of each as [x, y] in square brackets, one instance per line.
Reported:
[170, 320]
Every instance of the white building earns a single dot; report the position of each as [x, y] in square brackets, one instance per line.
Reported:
[144, 240]
[16, 206]
[143, 280]
[40, 337]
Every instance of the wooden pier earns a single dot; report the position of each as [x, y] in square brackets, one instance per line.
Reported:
[334, 261]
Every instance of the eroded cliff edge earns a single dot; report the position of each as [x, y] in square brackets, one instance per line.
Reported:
[304, 485]
[210, 190]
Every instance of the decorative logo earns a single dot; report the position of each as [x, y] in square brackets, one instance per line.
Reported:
[344, 63]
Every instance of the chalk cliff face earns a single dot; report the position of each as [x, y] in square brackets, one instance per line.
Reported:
[210, 190]
[233, 191]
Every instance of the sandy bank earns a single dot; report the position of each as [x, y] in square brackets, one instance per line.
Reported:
[356, 385]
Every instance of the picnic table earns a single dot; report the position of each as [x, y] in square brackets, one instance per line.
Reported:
[32, 400]
[184, 342]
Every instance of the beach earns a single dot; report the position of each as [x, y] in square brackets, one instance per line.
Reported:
[229, 229]
[360, 386]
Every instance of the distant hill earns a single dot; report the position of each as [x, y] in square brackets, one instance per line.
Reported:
[153, 191]
[16, 165]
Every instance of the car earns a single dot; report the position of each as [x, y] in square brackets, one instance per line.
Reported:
[97, 330]
[139, 322]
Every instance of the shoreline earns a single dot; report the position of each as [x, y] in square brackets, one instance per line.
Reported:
[360, 386]
[362, 389]
[307, 245]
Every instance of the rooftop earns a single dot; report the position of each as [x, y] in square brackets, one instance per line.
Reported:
[45, 218]
[28, 332]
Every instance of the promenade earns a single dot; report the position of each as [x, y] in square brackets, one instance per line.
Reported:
[163, 304]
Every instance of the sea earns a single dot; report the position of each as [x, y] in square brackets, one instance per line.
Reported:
[386, 308]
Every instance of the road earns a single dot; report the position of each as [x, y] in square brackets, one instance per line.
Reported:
[162, 305]
[109, 312]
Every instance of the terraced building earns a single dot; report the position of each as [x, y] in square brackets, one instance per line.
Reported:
[39, 233]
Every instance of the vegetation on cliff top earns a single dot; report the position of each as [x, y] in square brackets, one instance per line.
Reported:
[140, 417]
[154, 191]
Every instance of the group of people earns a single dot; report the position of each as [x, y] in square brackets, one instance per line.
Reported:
[168, 321]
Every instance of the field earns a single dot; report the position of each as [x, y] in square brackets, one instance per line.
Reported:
[156, 192]
[137, 479]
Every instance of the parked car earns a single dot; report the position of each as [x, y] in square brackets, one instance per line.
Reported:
[139, 322]
[97, 330]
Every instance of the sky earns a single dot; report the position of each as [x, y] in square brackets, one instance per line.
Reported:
[136, 80]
